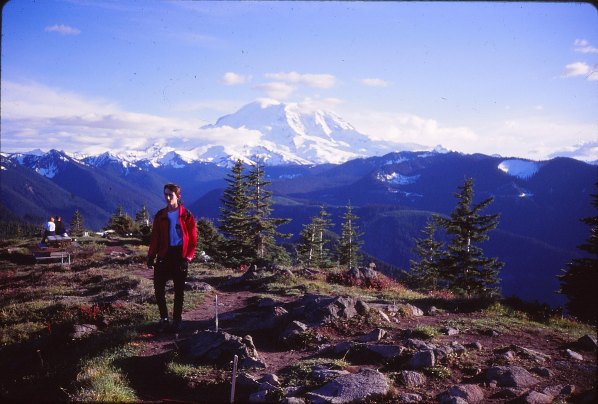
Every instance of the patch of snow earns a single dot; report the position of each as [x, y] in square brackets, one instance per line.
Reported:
[396, 161]
[523, 169]
[397, 179]
[48, 172]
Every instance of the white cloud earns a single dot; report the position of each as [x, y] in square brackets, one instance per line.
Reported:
[316, 103]
[310, 80]
[583, 46]
[63, 29]
[277, 90]
[587, 151]
[372, 82]
[38, 116]
[233, 79]
[410, 128]
[576, 69]
[518, 137]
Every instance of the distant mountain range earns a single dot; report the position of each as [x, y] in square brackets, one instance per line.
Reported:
[316, 158]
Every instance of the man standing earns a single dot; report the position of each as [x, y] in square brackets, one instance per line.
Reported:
[172, 247]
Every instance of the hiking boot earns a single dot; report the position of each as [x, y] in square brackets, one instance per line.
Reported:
[176, 326]
[163, 325]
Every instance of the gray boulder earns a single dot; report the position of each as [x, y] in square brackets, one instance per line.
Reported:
[409, 397]
[351, 388]
[82, 330]
[220, 348]
[410, 378]
[533, 397]
[293, 332]
[323, 309]
[510, 376]
[410, 310]
[422, 359]
[587, 343]
[470, 393]
[373, 336]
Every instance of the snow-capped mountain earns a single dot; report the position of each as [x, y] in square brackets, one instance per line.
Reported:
[299, 134]
[281, 134]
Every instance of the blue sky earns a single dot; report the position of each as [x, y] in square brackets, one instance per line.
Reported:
[518, 79]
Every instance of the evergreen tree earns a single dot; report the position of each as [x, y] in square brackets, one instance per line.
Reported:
[234, 222]
[465, 267]
[77, 224]
[120, 222]
[426, 272]
[579, 280]
[349, 243]
[142, 222]
[312, 243]
[209, 240]
[262, 227]
[305, 246]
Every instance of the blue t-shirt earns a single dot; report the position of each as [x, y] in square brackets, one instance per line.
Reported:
[175, 231]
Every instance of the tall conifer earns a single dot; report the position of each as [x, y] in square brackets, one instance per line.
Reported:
[234, 220]
[262, 227]
[312, 243]
[579, 280]
[349, 243]
[426, 271]
[77, 224]
[465, 267]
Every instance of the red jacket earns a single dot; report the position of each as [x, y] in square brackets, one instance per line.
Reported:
[160, 236]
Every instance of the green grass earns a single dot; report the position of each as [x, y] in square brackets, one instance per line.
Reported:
[187, 371]
[425, 332]
[100, 380]
[505, 319]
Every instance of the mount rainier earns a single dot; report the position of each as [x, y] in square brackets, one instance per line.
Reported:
[276, 133]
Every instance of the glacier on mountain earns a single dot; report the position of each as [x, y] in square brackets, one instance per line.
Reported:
[397, 179]
[523, 169]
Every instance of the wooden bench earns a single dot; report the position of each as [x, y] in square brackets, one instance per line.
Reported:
[53, 254]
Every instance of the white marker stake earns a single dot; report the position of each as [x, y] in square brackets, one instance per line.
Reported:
[216, 313]
[232, 390]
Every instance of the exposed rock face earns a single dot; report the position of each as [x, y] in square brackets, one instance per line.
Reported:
[351, 388]
[219, 348]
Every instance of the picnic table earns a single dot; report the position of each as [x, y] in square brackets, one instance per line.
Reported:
[59, 241]
[57, 247]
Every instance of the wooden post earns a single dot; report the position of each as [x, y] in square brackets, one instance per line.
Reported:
[234, 382]
[216, 305]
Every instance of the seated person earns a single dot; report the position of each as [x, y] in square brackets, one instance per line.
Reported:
[49, 230]
[60, 229]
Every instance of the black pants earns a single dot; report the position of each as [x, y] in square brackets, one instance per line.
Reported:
[46, 234]
[170, 268]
